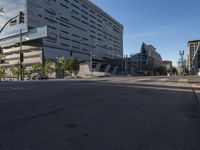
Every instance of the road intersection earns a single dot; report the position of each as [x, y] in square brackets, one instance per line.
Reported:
[117, 113]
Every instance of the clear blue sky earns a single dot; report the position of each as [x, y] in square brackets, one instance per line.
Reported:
[166, 24]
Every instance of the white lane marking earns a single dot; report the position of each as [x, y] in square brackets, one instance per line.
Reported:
[15, 88]
[163, 79]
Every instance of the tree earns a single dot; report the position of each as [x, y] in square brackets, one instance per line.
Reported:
[2, 73]
[15, 71]
[172, 70]
[48, 67]
[63, 65]
[73, 66]
[26, 70]
[37, 68]
[161, 70]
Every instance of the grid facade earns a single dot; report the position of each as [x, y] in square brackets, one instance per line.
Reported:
[78, 27]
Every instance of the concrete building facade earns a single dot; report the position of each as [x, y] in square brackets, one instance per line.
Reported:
[55, 28]
[194, 56]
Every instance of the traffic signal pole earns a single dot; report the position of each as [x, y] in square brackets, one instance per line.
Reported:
[21, 57]
[21, 20]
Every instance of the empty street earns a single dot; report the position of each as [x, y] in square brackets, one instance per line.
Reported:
[137, 113]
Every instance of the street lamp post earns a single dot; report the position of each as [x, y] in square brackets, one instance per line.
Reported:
[125, 64]
[21, 20]
[91, 62]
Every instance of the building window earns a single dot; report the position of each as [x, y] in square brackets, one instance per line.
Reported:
[65, 6]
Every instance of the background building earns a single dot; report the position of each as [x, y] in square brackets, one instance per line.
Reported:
[69, 28]
[167, 64]
[194, 56]
[150, 57]
[146, 62]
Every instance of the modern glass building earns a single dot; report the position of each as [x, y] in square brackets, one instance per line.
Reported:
[55, 28]
[147, 60]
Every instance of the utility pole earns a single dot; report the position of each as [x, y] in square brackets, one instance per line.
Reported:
[137, 62]
[91, 62]
[182, 62]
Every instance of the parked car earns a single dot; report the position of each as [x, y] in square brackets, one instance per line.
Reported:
[39, 76]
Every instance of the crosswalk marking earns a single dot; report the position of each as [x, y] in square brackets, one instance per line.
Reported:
[143, 79]
[183, 80]
[163, 79]
[160, 81]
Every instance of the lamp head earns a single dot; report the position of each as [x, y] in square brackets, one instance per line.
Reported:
[27, 38]
[2, 13]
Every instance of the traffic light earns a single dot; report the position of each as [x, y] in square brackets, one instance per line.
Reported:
[21, 17]
[21, 57]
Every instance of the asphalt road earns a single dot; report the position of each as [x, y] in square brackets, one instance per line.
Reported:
[99, 115]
